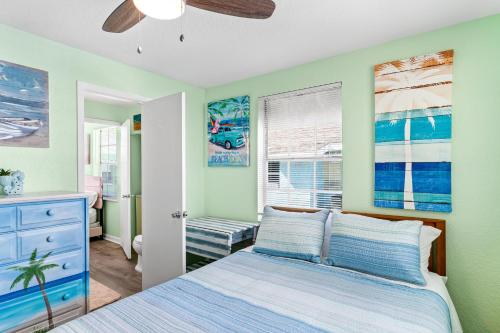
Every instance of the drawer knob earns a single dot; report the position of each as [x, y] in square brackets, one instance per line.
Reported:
[66, 265]
[51, 212]
[66, 297]
[50, 239]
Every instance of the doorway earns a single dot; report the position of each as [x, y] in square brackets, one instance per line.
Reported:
[162, 178]
[111, 168]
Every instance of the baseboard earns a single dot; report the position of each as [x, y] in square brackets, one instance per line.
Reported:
[113, 239]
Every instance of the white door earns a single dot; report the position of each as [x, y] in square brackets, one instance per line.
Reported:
[125, 214]
[163, 189]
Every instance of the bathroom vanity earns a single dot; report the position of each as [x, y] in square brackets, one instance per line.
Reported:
[55, 224]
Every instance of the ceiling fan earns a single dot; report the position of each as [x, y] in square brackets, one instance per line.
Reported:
[131, 12]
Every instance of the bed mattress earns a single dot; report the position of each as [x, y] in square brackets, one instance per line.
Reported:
[92, 215]
[250, 292]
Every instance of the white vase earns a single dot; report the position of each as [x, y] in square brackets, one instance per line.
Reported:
[5, 180]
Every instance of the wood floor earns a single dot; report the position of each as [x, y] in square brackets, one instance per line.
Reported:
[109, 266]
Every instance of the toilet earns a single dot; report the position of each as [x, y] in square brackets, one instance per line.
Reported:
[137, 245]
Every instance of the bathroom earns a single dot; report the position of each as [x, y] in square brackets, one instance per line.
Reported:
[113, 179]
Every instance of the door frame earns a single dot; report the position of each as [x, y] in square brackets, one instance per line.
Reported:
[94, 92]
[97, 93]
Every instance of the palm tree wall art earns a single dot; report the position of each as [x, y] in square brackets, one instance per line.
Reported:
[35, 269]
[413, 133]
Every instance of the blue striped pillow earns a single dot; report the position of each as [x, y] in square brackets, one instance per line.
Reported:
[291, 235]
[378, 247]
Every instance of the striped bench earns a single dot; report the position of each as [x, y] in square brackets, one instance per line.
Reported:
[213, 237]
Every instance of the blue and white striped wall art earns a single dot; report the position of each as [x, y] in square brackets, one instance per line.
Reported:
[413, 133]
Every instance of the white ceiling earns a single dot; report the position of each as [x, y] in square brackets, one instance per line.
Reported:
[219, 49]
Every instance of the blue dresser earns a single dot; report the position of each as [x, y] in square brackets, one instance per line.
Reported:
[53, 281]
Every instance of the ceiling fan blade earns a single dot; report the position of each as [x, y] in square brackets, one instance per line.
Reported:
[256, 9]
[124, 17]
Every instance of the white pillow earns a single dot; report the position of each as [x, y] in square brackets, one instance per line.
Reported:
[427, 236]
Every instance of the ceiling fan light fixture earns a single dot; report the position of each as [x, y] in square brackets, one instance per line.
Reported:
[161, 9]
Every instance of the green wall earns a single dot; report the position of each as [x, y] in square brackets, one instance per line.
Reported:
[55, 168]
[119, 114]
[473, 229]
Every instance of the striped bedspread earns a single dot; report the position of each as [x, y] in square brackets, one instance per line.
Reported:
[250, 292]
[213, 237]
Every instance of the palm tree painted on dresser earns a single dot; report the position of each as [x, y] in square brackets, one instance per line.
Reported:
[35, 269]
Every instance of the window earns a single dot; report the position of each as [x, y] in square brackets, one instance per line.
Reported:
[108, 158]
[300, 148]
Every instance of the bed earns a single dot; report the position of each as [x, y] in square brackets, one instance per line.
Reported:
[93, 188]
[252, 292]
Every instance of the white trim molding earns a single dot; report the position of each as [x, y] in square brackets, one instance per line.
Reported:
[113, 239]
[102, 121]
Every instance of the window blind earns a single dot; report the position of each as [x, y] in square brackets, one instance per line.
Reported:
[300, 148]
[109, 161]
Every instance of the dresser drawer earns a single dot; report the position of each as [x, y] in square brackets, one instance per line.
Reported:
[7, 219]
[29, 309]
[8, 248]
[65, 237]
[68, 264]
[41, 215]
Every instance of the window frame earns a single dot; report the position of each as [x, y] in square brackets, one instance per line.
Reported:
[263, 161]
[109, 163]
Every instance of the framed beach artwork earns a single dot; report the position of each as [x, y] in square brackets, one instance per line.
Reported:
[413, 107]
[24, 106]
[228, 132]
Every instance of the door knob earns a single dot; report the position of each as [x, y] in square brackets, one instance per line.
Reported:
[126, 196]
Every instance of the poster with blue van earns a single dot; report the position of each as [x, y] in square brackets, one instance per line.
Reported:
[228, 132]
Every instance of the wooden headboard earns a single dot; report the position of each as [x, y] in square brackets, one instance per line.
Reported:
[437, 260]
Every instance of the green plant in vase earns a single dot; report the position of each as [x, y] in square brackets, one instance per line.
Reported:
[5, 172]
[35, 269]
[5, 177]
